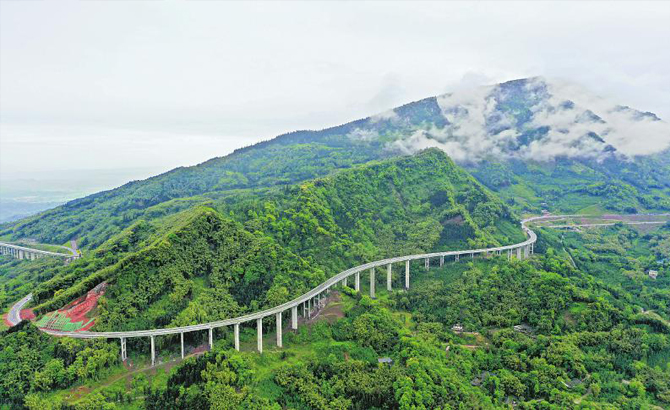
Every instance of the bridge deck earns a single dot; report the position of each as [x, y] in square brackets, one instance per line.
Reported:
[532, 238]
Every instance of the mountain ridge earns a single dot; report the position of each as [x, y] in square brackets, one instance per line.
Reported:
[500, 125]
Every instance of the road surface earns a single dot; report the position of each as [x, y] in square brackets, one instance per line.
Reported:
[14, 315]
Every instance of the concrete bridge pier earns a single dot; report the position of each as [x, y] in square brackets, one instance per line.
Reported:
[458, 257]
[372, 283]
[357, 282]
[389, 277]
[236, 332]
[509, 255]
[153, 352]
[211, 339]
[181, 336]
[518, 253]
[279, 330]
[407, 274]
[532, 248]
[344, 281]
[294, 318]
[124, 353]
[259, 326]
[21, 254]
[427, 263]
[441, 261]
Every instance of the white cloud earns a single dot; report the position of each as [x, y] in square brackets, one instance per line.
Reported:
[363, 135]
[577, 122]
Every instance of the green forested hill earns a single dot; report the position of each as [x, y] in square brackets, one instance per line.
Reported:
[200, 265]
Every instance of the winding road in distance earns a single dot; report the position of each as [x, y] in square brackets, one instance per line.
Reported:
[304, 302]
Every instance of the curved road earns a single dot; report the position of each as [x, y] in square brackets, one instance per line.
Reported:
[14, 315]
[24, 249]
[305, 299]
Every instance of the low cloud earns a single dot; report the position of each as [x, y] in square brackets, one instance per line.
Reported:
[562, 120]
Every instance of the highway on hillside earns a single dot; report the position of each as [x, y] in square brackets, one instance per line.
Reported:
[308, 300]
[14, 315]
[312, 293]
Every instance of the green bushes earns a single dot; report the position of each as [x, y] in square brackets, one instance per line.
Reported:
[34, 362]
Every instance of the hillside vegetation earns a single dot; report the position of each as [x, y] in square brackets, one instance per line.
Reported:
[280, 243]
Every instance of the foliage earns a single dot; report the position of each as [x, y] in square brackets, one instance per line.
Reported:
[33, 362]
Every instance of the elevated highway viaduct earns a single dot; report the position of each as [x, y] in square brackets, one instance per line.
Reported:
[305, 303]
[24, 252]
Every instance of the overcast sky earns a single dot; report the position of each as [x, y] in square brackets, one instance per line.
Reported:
[159, 84]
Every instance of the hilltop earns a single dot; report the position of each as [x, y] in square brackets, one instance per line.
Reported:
[251, 250]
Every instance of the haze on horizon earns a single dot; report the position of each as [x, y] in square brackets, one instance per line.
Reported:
[156, 85]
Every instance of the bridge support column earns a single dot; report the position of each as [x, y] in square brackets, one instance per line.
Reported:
[389, 277]
[441, 261]
[124, 353]
[344, 281]
[259, 326]
[357, 282]
[532, 248]
[20, 254]
[509, 255]
[407, 274]
[211, 339]
[181, 336]
[518, 253]
[294, 318]
[153, 352]
[236, 332]
[279, 330]
[372, 283]
[427, 263]
[309, 308]
[458, 257]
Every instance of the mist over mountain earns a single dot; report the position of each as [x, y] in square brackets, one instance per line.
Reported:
[529, 119]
